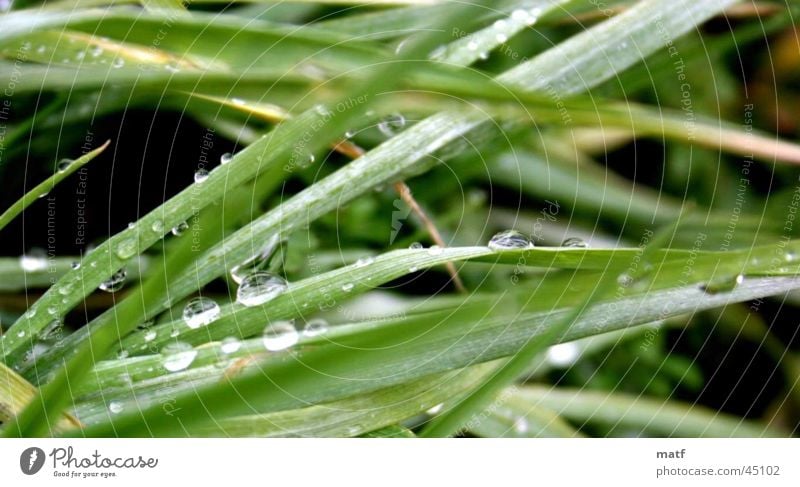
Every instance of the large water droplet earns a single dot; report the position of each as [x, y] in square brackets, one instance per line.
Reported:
[115, 407]
[115, 282]
[392, 124]
[364, 261]
[563, 354]
[280, 336]
[33, 261]
[415, 246]
[63, 165]
[574, 242]
[178, 229]
[259, 287]
[230, 345]
[226, 158]
[722, 285]
[200, 175]
[200, 311]
[509, 239]
[158, 226]
[178, 356]
[127, 248]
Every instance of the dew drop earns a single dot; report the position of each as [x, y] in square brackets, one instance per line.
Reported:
[200, 175]
[230, 345]
[225, 158]
[200, 311]
[435, 409]
[364, 261]
[157, 226]
[75, 265]
[347, 287]
[574, 242]
[63, 165]
[521, 426]
[563, 354]
[115, 282]
[315, 327]
[259, 287]
[625, 280]
[509, 239]
[392, 124]
[238, 101]
[115, 407]
[722, 285]
[118, 63]
[472, 46]
[178, 229]
[33, 261]
[280, 336]
[127, 248]
[435, 250]
[150, 336]
[21, 334]
[178, 356]
[413, 268]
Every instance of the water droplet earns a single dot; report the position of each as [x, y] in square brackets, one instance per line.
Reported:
[115, 282]
[131, 225]
[75, 265]
[96, 51]
[259, 287]
[21, 333]
[563, 354]
[435, 250]
[127, 248]
[415, 246]
[501, 38]
[521, 426]
[392, 124]
[200, 175]
[315, 327]
[63, 165]
[625, 280]
[238, 101]
[347, 287]
[435, 409]
[200, 311]
[157, 226]
[574, 242]
[51, 331]
[230, 345]
[722, 285]
[150, 336]
[123, 354]
[413, 268]
[178, 229]
[52, 310]
[178, 356]
[118, 63]
[280, 336]
[33, 261]
[115, 407]
[472, 46]
[225, 158]
[509, 239]
[364, 261]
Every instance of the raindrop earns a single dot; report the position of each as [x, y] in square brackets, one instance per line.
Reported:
[472, 46]
[238, 101]
[521, 426]
[315, 327]
[118, 63]
[259, 287]
[435, 409]
[131, 225]
[200, 175]
[63, 165]
[509, 239]
[563, 354]
[115, 407]
[415, 246]
[96, 51]
[178, 356]
[178, 229]
[200, 311]
[225, 158]
[127, 248]
[230, 345]
[392, 124]
[52, 330]
[347, 287]
[280, 336]
[20, 334]
[723, 285]
[115, 282]
[413, 268]
[35, 260]
[435, 250]
[150, 336]
[157, 226]
[364, 261]
[75, 265]
[574, 242]
[625, 280]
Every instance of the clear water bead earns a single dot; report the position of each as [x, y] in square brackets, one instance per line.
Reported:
[392, 124]
[178, 356]
[510, 239]
[200, 175]
[230, 345]
[34, 261]
[575, 242]
[115, 282]
[115, 407]
[259, 287]
[178, 229]
[280, 336]
[63, 165]
[200, 311]
[315, 327]
[226, 158]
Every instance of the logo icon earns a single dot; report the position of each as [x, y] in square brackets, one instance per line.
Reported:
[31, 460]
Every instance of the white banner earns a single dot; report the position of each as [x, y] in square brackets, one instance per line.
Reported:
[399, 462]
